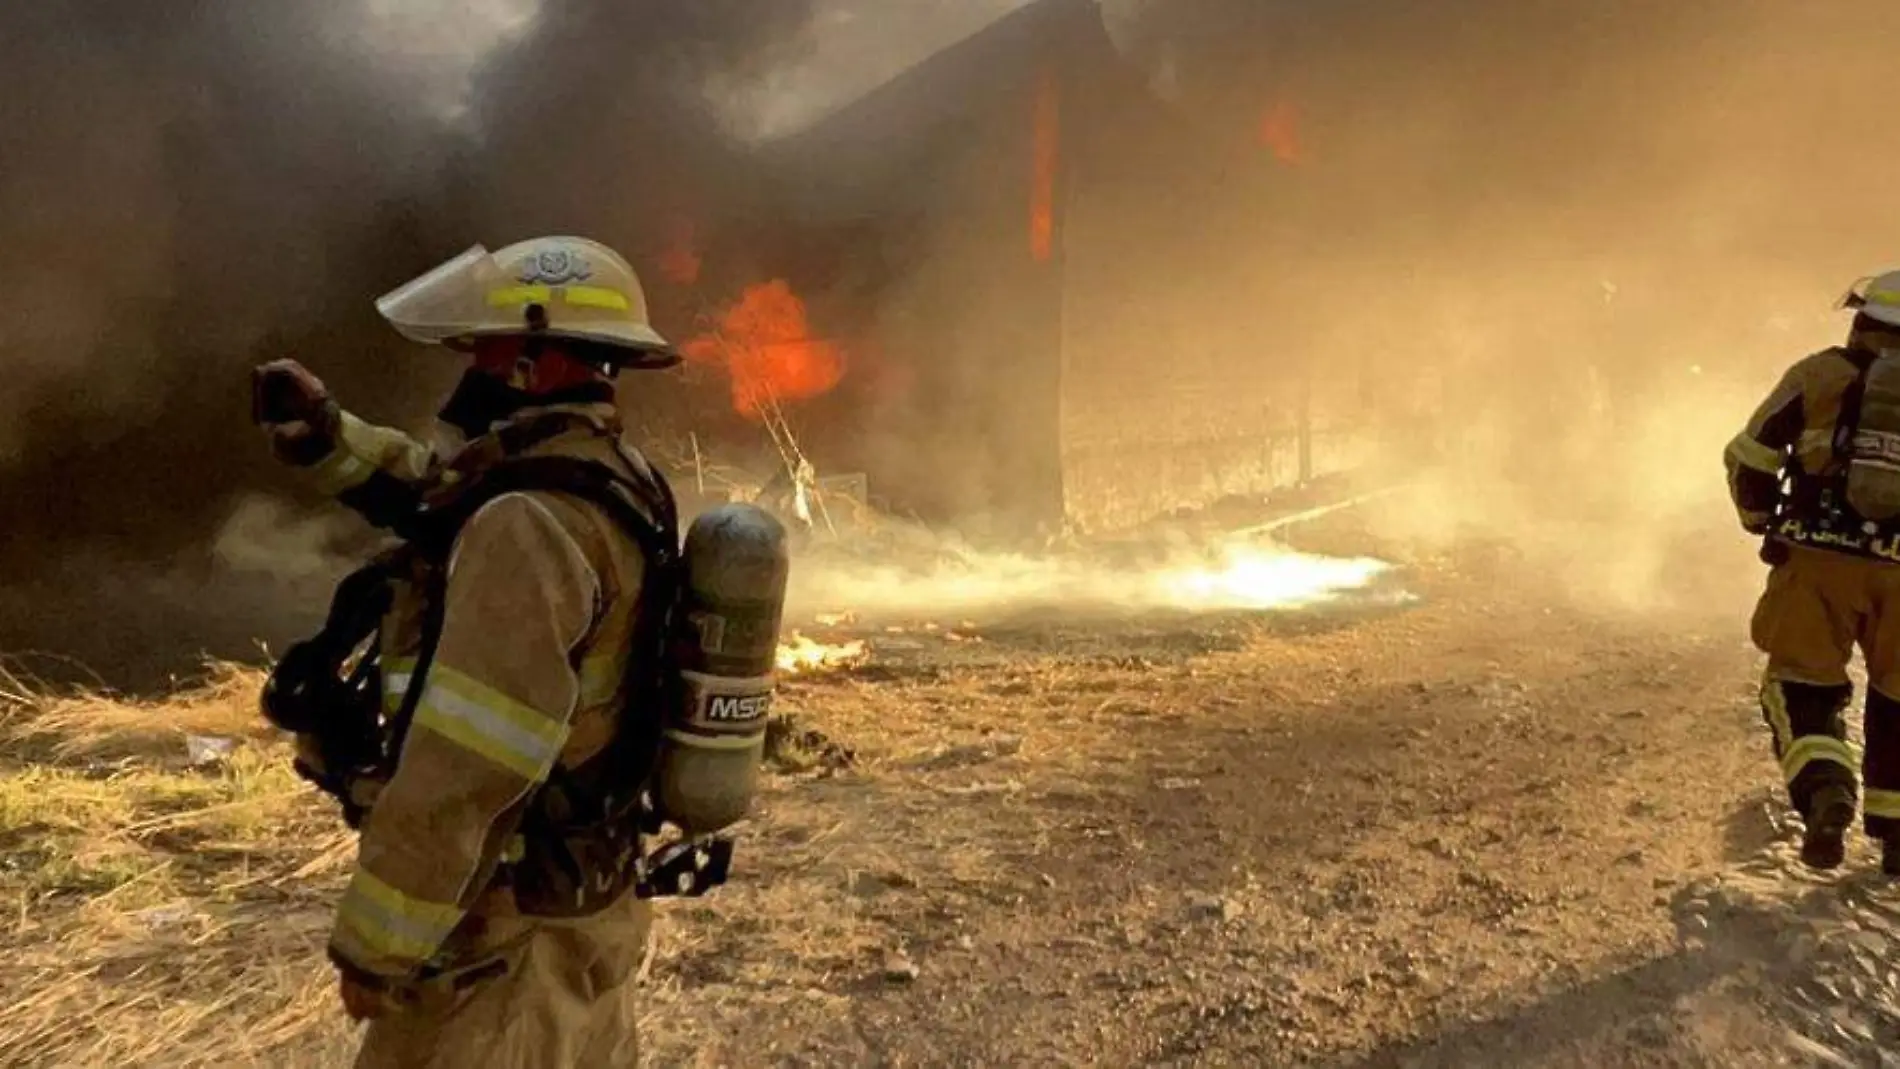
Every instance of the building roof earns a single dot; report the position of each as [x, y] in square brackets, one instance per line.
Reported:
[869, 156]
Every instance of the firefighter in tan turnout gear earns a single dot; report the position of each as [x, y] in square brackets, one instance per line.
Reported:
[1817, 473]
[502, 702]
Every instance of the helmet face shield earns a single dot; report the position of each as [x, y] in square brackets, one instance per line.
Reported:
[567, 287]
[446, 302]
[1855, 297]
[1877, 298]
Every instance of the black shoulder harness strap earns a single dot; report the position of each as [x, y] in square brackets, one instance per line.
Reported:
[1851, 401]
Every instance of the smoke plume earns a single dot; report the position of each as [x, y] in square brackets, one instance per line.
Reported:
[1554, 250]
[190, 188]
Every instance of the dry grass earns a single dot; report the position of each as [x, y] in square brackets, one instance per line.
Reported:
[155, 913]
[158, 913]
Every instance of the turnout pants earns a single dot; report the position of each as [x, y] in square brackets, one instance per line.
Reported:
[1818, 606]
[566, 1000]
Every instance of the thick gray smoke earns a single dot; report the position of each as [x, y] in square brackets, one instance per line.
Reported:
[191, 187]
[1581, 233]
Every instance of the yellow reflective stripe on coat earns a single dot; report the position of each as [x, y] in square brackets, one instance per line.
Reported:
[386, 923]
[1878, 803]
[341, 471]
[397, 674]
[352, 462]
[600, 679]
[480, 718]
[1749, 453]
[577, 296]
[596, 297]
[1774, 705]
[1811, 748]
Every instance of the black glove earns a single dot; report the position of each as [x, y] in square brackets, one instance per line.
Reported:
[1774, 552]
[296, 409]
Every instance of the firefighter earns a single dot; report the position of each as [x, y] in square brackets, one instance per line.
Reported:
[436, 942]
[1816, 474]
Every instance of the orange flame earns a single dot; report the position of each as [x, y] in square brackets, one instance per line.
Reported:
[680, 260]
[1045, 160]
[764, 342]
[1280, 133]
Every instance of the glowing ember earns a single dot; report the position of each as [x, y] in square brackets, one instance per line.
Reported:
[1254, 579]
[1280, 133]
[765, 343]
[1045, 157]
[680, 260]
[802, 655]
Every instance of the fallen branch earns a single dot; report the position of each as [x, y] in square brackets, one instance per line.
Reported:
[1317, 512]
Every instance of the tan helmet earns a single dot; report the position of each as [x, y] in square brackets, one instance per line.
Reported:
[1877, 298]
[563, 287]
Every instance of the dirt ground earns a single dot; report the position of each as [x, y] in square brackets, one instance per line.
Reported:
[1451, 822]
[1439, 833]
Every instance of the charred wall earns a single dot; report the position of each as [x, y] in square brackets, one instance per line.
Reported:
[952, 402]
[1058, 327]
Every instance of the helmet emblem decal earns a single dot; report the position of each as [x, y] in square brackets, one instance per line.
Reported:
[555, 267]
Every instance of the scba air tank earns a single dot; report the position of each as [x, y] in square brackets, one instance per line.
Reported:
[726, 648]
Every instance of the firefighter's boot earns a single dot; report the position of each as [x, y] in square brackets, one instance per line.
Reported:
[1824, 846]
[1890, 856]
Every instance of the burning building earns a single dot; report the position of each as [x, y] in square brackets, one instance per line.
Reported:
[1038, 267]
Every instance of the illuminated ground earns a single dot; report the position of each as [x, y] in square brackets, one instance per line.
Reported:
[1444, 836]
[1451, 832]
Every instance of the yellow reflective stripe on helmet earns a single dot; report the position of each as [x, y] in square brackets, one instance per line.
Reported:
[596, 297]
[1775, 705]
[1749, 453]
[479, 718]
[514, 296]
[381, 920]
[1878, 803]
[577, 296]
[1811, 748]
[1883, 297]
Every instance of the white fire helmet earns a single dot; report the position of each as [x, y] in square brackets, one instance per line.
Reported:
[1877, 298]
[583, 289]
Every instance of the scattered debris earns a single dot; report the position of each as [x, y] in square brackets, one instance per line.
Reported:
[990, 749]
[899, 968]
[871, 884]
[792, 748]
[202, 750]
[169, 915]
[1213, 907]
